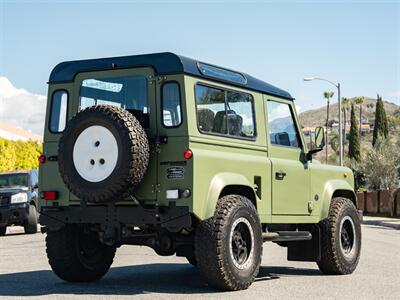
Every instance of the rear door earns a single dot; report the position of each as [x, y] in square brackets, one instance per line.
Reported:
[173, 169]
[290, 172]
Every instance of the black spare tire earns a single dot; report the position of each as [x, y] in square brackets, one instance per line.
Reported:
[103, 154]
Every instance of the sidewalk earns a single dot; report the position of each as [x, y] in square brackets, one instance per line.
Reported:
[382, 222]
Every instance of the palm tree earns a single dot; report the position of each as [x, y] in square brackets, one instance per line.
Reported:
[360, 101]
[327, 96]
[345, 103]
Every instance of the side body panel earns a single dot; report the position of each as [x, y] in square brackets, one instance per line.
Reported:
[220, 162]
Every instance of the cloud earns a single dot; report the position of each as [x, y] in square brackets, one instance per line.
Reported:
[394, 94]
[21, 108]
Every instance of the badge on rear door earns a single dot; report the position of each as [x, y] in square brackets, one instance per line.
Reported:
[175, 173]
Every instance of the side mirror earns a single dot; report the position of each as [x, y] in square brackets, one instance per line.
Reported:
[319, 142]
[319, 138]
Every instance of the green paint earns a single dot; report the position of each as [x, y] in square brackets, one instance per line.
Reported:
[219, 163]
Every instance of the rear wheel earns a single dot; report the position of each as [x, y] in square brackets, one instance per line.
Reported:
[229, 246]
[78, 256]
[3, 230]
[340, 238]
[30, 225]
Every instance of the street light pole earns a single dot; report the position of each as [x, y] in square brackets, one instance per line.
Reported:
[337, 85]
[340, 128]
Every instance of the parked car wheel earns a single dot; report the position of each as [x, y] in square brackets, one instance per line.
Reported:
[340, 238]
[3, 230]
[103, 154]
[228, 246]
[30, 225]
[78, 256]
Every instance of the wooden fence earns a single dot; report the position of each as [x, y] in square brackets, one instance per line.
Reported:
[378, 202]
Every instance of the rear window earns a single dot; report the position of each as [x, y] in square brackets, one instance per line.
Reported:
[129, 93]
[58, 116]
[171, 105]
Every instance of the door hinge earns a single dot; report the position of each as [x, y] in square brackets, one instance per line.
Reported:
[156, 188]
[151, 79]
[310, 206]
[161, 79]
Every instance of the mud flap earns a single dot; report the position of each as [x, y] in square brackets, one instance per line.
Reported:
[306, 250]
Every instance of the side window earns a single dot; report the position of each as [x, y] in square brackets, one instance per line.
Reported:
[171, 105]
[58, 115]
[225, 112]
[281, 125]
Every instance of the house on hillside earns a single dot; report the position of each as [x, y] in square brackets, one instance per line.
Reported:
[13, 133]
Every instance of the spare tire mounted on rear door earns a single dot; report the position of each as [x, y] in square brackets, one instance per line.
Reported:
[103, 154]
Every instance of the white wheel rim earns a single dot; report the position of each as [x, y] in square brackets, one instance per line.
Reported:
[353, 246]
[95, 153]
[249, 259]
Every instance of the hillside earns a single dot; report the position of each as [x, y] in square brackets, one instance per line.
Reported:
[317, 117]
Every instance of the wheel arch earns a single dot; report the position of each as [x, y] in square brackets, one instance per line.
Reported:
[224, 184]
[336, 188]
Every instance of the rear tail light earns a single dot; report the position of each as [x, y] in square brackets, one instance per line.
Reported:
[188, 154]
[49, 195]
[42, 159]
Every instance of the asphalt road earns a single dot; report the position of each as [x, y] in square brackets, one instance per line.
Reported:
[139, 272]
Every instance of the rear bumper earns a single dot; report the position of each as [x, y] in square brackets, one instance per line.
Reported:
[172, 217]
[14, 214]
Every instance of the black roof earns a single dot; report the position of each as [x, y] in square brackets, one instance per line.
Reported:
[162, 63]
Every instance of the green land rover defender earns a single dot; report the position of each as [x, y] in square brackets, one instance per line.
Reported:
[190, 159]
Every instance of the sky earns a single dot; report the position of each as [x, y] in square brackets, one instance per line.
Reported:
[356, 43]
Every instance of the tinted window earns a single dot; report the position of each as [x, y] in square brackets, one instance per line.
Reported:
[281, 125]
[10, 180]
[58, 116]
[129, 93]
[221, 73]
[171, 105]
[224, 112]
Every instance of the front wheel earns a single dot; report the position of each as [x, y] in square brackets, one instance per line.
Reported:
[340, 238]
[76, 255]
[228, 246]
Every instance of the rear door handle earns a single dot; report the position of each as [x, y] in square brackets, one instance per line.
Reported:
[280, 175]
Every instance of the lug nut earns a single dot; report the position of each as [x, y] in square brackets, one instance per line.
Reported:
[97, 143]
[92, 162]
[102, 161]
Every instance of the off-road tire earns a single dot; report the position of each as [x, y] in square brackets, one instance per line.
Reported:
[68, 260]
[333, 260]
[192, 260]
[213, 241]
[30, 224]
[133, 154]
[3, 230]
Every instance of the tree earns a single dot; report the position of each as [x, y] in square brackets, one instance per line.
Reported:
[354, 138]
[381, 168]
[381, 129]
[345, 103]
[18, 155]
[7, 155]
[360, 101]
[327, 96]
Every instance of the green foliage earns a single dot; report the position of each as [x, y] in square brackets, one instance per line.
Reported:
[354, 138]
[18, 155]
[328, 95]
[381, 128]
[380, 167]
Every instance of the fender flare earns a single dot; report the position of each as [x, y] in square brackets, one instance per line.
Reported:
[335, 188]
[217, 184]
